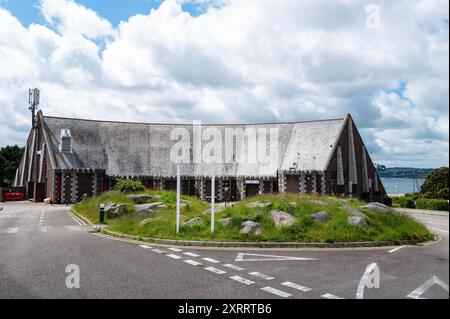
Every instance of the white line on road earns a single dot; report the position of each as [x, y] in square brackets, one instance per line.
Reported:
[371, 270]
[175, 249]
[191, 254]
[44, 229]
[211, 260]
[242, 280]
[145, 246]
[395, 249]
[74, 218]
[234, 267]
[173, 256]
[296, 286]
[192, 262]
[276, 292]
[330, 296]
[159, 251]
[418, 292]
[215, 270]
[13, 230]
[260, 275]
[441, 230]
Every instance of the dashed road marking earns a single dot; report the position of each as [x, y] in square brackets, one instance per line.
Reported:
[145, 246]
[395, 249]
[44, 229]
[215, 270]
[277, 292]
[13, 230]
[159, 251]
[175, 249]
[296, 286]
[260, 275]
[242, 280]
[192, 262]
[234, 267]
[173, 256]
[330, 296]
[211, 260]
[191, 254]
[73, 228]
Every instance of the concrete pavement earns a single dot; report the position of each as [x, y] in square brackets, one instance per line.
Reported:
[38, 242]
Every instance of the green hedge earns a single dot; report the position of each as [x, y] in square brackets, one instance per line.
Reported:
[406, 202]
[432, 204]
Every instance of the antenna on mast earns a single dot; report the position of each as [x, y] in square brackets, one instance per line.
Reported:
[33, 101]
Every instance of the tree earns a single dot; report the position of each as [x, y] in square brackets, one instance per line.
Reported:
[10, 157]
[436, 184]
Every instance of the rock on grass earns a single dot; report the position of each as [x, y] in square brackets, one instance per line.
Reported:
[322, 217]
[193, 221]
[378, 207]
[250, 227]
[357, 221]
[282, 219]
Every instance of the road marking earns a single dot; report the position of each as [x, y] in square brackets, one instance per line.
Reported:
[191, 254]
[145, 246]
[242, 280]
[372, 272]
[211, 260]
[276, 292]
[13, 230]
[233, 267]
[74, 218]
[395, 249]
[260, 275]
[73, 228]
[192, 262]
[441, 230]
[175, 249]
[240, 257]
[44, 229]
[418, 292]
[159, 251]
[296, 286]
[215, 270]
[330, 296]
[173, 256]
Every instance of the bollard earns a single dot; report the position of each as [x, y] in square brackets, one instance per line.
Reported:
[102, 213]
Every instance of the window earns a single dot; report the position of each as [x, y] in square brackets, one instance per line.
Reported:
[66, 141]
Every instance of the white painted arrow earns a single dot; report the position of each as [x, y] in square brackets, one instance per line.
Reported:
[240, 257]
[417, 293]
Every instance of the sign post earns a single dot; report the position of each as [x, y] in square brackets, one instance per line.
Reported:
[178, 197]
[213, 200]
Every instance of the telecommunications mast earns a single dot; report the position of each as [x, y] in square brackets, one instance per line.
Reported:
[33, 101]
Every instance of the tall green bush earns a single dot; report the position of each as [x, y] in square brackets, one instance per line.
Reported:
[432, 204]
[129, 186]
[436, 184]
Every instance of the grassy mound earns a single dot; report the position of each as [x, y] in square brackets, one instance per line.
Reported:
[381, 226]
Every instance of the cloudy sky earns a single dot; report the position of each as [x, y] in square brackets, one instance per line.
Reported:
[385, 62]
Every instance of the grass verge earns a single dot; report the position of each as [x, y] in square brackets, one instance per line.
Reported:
[389, 226]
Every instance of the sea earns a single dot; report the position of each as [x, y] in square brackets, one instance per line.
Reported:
[401, 186]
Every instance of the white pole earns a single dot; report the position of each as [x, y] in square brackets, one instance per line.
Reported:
[213, 201]
[178, 197]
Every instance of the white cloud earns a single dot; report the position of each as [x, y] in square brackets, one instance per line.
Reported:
[68, 16]
[254, 60]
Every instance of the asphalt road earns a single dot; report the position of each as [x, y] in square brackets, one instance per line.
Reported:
[38, 242]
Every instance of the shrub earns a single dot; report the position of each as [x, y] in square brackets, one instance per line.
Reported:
[129, 186]
[406, 202]
[433, 204]
[436, 184]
